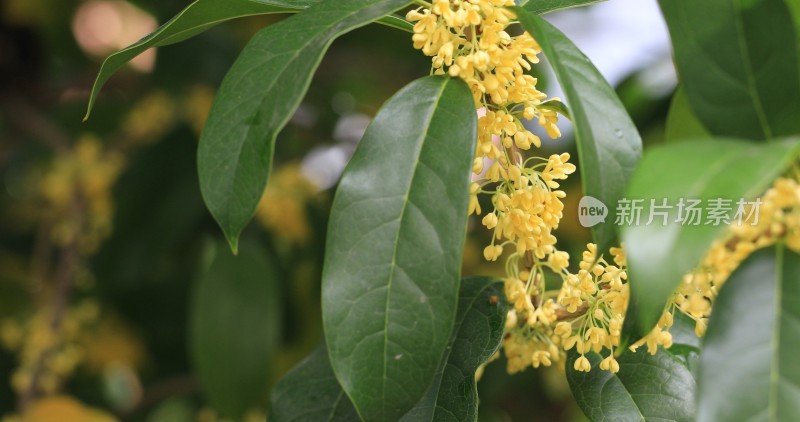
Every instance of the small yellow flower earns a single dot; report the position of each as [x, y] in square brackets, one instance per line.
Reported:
[610, 364]
[582, 364]
[492, 252]
[490, 220]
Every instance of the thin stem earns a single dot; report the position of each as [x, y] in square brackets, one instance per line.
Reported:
[563, 315]
[68, 261]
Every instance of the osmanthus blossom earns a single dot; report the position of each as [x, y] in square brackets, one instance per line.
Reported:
[469, 39]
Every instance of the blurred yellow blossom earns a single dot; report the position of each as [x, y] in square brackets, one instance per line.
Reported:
[61, 409]
[111, 342]
[282, 209]
[47, 346]
[77, 193]
[196, 105]
[150, 118]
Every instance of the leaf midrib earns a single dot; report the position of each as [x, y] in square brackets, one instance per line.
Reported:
[774, 374]
[336, 404]
[749, 72]
[420, 141]
[625, 387]
[333, 31]
[453, 337]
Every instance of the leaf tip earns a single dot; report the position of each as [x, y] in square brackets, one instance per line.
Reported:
[233, 242]
[629, 331]
[89, 107]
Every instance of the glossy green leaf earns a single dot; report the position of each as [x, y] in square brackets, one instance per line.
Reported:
[685, 343]
[558, 107]
[660, 254]
[609, 145]
[259, 95]
[737, 61]
[794, 8]
[198, 17]
[235, 329]
[682, 124]
[396, 22]
[647, 388]
[395, 239]
[311, 393]
[194, 19]
[749, 369]
[541, 7]
[453, 394]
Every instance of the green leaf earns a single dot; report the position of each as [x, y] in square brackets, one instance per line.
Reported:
[608, 144]
[685, 343]
[660, 254]
[682, 124]
[198, 17]
[393, 252]
[683, 333]
[396, 22]
[194, 19]
[259, 95]
[558, 107]
[311, 393]
[540, 7]
[453, 394]
[749, 368]
[739, 68]
[794, 8]
[235, 329]
[646, 388]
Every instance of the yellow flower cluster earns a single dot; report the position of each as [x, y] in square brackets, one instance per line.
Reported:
[468, 39]
[587, 314]
[77, 193]
[48, 352]
[60, 408]
[598, 295]
[210, 415]
[149, 119]
[778, 219]
[282, 209]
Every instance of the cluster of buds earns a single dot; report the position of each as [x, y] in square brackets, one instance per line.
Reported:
[469, 39]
